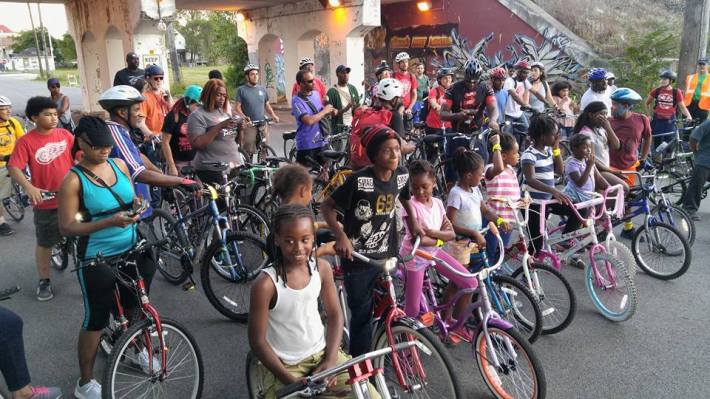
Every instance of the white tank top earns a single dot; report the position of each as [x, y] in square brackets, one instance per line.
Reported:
[295, 330]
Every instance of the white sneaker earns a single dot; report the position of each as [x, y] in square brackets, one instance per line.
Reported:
[90, 390]
[142, 361]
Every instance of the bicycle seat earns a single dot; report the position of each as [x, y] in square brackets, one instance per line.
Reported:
[217, 165]
[433, 138]
[324, 235]
[275, 162]
[187, 170]
[289, 135]
[333, 155]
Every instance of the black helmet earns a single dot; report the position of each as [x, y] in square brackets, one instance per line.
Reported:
[668, 74]
[472, 70]
[444, 72]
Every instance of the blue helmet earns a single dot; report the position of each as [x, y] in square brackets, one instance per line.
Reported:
[597, 74]
[625, 95]
[152, 70]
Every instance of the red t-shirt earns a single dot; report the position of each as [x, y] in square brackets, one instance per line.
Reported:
[630, 132]
[48, 157]
[409, 83]
[433, 119]
[664, 108]
[317, 85]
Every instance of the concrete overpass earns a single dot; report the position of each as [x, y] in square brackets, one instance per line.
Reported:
[278, 34]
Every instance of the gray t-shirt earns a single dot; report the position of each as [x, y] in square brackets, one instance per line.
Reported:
[253, 99]
[222, 149]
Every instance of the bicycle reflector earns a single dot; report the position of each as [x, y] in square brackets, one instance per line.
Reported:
[391, 264]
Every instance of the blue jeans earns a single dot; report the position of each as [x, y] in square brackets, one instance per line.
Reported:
[492, 243]
[660, 129]
[12, 351]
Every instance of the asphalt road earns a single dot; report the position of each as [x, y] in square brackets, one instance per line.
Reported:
[20, 87]
[662, 352]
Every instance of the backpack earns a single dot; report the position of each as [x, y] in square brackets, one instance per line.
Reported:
[362, 118]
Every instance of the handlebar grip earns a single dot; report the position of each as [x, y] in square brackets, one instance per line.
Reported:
[291, 388]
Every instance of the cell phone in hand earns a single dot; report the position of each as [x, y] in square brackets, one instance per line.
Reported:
[48, 195]
[139, 206]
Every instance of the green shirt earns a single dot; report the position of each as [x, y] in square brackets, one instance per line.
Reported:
[422, 87]
[701, 79]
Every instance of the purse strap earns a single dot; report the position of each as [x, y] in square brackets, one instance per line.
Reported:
[101, 181]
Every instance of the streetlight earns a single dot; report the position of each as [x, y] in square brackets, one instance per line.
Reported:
[424, 6]
[334, 3]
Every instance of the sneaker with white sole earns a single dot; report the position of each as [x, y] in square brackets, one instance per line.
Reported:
[142, 361]
[90, 390]
[44, 290]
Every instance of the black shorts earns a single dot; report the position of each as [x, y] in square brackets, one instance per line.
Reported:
[98, 284]
[46, 227]
[306, 157]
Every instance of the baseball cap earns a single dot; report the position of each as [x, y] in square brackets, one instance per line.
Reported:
[52, 82]
[342, 68]
[95, 131]
[703, 60]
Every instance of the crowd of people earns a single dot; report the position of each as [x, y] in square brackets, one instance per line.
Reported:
[96, 179]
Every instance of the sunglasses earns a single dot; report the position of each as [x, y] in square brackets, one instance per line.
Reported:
[158, 78]
[95, 147]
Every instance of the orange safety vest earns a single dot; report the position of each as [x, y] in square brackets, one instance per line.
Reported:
[691, 81]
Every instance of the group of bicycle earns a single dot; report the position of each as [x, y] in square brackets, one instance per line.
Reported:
[355, 181]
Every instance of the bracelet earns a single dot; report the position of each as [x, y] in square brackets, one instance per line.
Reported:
[499, 221]
[439, 243]
[496, 147]
[555, 152]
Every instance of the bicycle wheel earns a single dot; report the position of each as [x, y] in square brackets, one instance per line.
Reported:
[613, 292]
[227, 272]
[661, 251]
[14, 204]
[255, 377]
[265, 151]
[620, 251]
[677, 218]
[554, 295]
[249, 219]
[437, 379]
[519, 373]
[60, 255]
[184, 373]
[516, 304]
[171, 254]
[291, 153]
[672, 185]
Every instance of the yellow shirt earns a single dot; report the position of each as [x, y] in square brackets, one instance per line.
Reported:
[10, 131]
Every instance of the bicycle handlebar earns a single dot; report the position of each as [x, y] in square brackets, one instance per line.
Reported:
[598, 199]
[142, 246]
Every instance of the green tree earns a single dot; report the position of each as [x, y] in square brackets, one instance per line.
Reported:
[226, 45]
[26, 39]
[196, 30]
[66, 47]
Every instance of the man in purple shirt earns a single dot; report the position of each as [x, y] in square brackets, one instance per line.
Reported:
[307, 108]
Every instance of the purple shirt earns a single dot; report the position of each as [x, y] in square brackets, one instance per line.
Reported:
[307, 136]
[578, 165]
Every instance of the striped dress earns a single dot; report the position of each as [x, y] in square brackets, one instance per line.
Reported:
[544, 170]
[505, 185]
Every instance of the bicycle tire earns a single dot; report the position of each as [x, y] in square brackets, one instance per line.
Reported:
[251, 220]
[512, 364]
[677, 218]
[160, 225]
[522, 311]
[317, 194]
[628, 297]
[546, 301]
[676, 188]
[652, 242]
[14, 206]
[292, 154]
[448, 385]
[255, 377]
[215, 282]
[186, 352]
[620, 251]
[60, 255]
[264, 152]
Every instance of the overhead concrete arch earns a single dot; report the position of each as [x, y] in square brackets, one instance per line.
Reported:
[91, 53]
[272, 67]
[114, 50]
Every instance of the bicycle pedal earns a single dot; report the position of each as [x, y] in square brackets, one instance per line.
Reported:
[190, 286]
[427, 319]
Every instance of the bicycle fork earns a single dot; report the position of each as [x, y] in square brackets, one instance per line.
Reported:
[490, 313]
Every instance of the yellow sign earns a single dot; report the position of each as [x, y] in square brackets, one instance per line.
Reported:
[419, 41]
[439, 41]
[399, 42]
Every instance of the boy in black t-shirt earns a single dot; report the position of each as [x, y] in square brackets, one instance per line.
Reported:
[367, 203]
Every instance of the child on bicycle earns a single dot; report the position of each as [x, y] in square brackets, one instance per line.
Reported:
[367, 202]
[582, 174]
[285, 329]
[502, 183]
[431, 216]
[540, 163]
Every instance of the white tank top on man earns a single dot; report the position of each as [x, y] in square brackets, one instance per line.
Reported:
[295, 330]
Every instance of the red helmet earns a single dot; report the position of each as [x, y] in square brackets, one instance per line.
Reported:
[498, 73]
[522, 64]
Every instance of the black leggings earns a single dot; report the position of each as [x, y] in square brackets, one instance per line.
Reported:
[12, 351]
[573, 223]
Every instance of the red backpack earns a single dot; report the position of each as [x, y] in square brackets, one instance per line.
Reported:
[362, 118]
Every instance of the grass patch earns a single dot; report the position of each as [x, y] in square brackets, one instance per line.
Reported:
[62, 74]
[194, 76]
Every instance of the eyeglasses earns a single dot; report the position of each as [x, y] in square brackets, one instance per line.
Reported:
[158, 78]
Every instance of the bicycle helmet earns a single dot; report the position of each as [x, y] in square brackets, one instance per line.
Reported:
[472, 70]
[193, 93]
[118, 96]
[667, 74]
[4, 101]
[250, 67]
[444, 72]
[153, 70]
[522, 64]
[403, 56]
[537, 64]
[609, 75]
[388, 89]
[596, 74]
[498, 73]
[625, 95]
[305, 61]
[381, 68]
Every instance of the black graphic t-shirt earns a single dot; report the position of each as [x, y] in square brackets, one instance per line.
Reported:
[368, 208]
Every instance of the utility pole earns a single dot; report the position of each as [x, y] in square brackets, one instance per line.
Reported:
[695, 36]
[34, 31]
[44, 39]
[174, 63]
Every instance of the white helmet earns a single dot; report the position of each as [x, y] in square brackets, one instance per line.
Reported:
[251, 67]
[537, 64]
[388, 89]
[609, 75]
[4, 101]
[403, 56]
[118, 96]
[305, 61]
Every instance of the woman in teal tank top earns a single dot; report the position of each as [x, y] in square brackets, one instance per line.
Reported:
[94, 204]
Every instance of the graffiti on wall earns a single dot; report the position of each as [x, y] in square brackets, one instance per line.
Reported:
[321, 56]
[280, 66]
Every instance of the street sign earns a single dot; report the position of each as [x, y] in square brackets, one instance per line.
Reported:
[151, 59]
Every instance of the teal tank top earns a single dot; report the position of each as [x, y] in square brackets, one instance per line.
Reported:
[97, 203]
